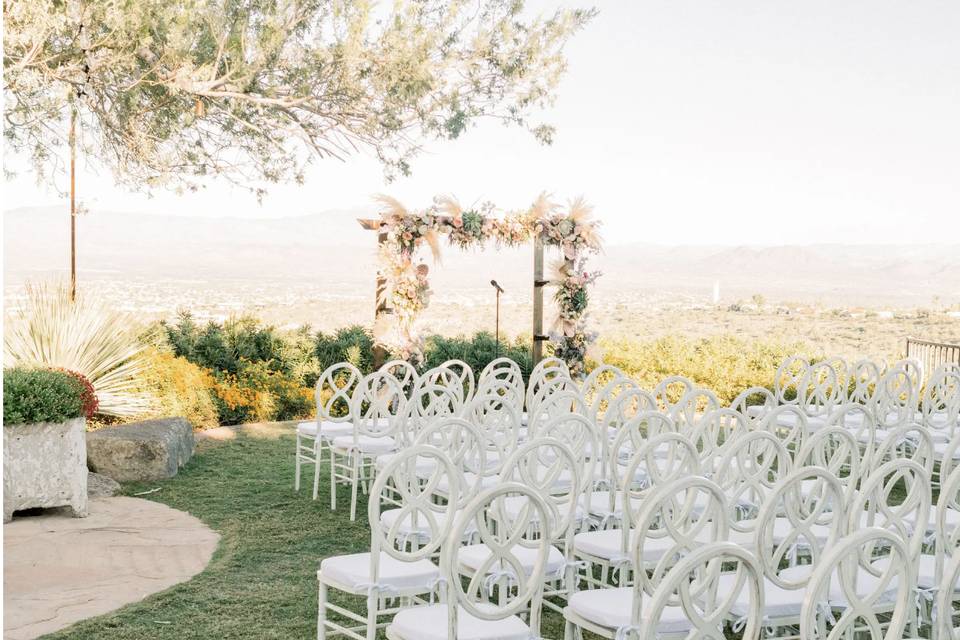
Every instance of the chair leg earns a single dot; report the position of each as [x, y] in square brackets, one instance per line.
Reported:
[322, 612]
[567, 630]
[318, 455]
[296, 478]
[372, 604]
[354, 481]
[333, 480]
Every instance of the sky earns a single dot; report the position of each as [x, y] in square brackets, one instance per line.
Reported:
[687, 122]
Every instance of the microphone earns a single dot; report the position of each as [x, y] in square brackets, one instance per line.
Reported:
[496, 286]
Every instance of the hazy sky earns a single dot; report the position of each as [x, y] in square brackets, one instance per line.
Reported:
[743, 121]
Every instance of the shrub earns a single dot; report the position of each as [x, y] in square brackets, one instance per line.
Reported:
[88, 396]
[258, 394]
[225, 347]
[33, 395]
[353, 344]
[180, 388]
[84, 336]
[477, 351]
[725, 364]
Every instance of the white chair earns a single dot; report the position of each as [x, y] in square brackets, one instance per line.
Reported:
[404, 372]
[468, 612]
[788, 380]
[870, 593]
[704, 602]
[392, 568]
[933, 568]
[865, 379]
[374, 406]
[821, 389]
[670, 529]
[658, 461]
[332, 395]
[836, 450]
[755, 403]
[465, 373]
[940, 403]
[549, 467]
[748, 469]
[428, 401]
[670, 390]
[559, 403]
[896, 401]
[804, 516]
[944, 627]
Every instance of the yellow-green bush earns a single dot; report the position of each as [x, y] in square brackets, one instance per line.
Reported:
[724, 363]
[257, 394]
[180, 388]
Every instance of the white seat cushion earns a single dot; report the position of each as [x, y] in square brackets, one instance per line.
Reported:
[940, 451]
[328, 429]
[952, 517]
[866, 583]
[366, 444]
[926, 572]
[422, 528]
[611, 608]
[473, 556]
[424, 467]
[607, 544]
[514, 504]
[778, 603]
[353, 572]
[468, 482]
[431, 623]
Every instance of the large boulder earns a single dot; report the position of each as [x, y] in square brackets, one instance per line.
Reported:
[149, 450]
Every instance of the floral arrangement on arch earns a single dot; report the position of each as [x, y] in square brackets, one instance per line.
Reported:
[407, 290]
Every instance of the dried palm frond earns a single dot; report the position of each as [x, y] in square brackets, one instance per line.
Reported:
[542, 206]
[449, 206]
[433, 241]
[560, 269]
[393, 206]
[580, 210]
[84, 336]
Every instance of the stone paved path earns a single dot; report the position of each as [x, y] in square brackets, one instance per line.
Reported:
[58, 569]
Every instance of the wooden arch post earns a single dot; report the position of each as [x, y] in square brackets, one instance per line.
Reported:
[379, 353]
[538, 284]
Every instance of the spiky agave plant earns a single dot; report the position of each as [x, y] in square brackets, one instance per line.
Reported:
[82, 335]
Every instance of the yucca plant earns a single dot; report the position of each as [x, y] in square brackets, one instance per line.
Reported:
[81, 335]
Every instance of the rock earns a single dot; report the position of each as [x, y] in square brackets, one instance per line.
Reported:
[100, 486]
[149, 450]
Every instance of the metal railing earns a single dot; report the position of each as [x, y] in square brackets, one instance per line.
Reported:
[932, 354]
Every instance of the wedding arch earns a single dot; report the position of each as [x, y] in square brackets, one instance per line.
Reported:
[403, 288]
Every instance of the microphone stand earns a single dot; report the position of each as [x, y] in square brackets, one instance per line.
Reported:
[497, 325]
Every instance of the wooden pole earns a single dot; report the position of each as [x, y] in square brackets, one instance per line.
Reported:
[538, 284]
[73, 204]
[379, 353]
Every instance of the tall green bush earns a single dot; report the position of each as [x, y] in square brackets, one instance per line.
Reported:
[40, 395]
[353, 344]
[477, 351]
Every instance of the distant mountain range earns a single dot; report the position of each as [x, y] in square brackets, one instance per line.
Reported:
[331, 249]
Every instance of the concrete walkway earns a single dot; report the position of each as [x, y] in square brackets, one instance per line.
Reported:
[58, 569]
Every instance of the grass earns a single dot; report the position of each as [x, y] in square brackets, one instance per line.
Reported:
[261, 582]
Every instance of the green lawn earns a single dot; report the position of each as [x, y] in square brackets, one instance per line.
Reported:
[261, 582]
